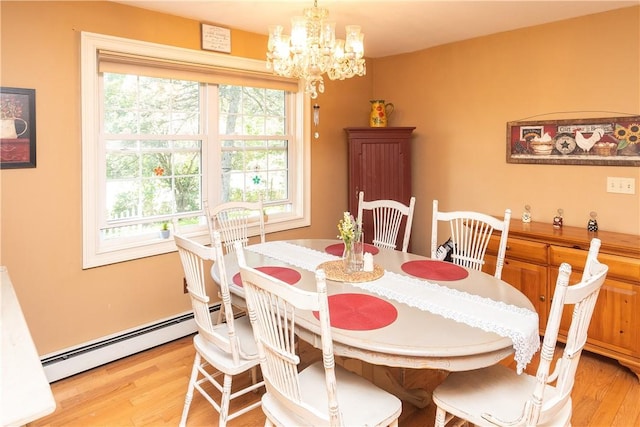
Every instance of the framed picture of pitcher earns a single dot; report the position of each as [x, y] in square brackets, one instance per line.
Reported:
[17, 128]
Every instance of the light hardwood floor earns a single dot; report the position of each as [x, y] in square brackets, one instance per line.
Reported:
[147, 389]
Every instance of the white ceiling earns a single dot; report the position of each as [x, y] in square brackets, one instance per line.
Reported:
[390, 27]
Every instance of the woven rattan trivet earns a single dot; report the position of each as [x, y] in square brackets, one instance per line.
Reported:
[334, 270]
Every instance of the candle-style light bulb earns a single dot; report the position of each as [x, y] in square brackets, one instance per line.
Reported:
[316, 120]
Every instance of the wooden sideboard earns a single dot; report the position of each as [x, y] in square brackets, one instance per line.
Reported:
[534, 253]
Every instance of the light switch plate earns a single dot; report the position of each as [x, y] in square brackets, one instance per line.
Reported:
[621, 185]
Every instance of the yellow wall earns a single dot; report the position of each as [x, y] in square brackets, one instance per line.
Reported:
[41, 240]
[459, 97]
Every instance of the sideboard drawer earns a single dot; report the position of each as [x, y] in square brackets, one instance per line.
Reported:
[619, 267]
[524, 250]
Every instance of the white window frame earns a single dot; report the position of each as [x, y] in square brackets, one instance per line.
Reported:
[97, 254]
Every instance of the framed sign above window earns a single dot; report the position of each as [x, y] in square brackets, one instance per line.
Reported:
[215, 38]
[18, 128]
[610, 141]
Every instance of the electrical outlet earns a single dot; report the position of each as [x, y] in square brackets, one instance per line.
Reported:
[184, 285]
[621, 185]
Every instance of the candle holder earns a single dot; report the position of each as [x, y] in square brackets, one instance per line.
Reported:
[557, 220]
[592, 225]
[526, 215]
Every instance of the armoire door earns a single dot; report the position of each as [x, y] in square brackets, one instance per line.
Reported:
[379, 165]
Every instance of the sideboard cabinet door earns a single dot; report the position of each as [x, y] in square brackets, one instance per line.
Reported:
[529, 278]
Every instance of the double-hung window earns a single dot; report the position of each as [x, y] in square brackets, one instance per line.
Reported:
[165, 129]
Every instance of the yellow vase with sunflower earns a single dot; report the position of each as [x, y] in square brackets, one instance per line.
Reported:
[380, 113]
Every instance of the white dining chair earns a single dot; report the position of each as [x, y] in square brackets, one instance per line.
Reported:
[498, 396]
[322, 394]
[470, 234]
[228, 347]
[234, 219]
[387, 219]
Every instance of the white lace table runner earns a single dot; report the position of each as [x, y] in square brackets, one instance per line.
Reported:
[517, 323]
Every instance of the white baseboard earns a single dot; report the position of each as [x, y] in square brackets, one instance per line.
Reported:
[90, 355]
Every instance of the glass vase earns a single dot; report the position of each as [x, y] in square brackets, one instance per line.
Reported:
[353, 256]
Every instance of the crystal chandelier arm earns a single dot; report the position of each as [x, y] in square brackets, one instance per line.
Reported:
[313, 50]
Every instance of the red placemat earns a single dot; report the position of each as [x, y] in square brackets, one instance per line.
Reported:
[287, 275]
[359, 312]
[338, 249]
[434, 270]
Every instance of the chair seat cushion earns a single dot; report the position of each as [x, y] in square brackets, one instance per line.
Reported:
[222, 360]
[496, 390]
[361, 403]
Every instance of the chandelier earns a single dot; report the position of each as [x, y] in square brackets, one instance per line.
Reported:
[313, 50]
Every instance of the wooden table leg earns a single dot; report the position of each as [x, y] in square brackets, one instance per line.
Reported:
[384, 378]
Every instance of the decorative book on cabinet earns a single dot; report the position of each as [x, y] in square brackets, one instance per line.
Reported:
[534, 254]
[380, 165]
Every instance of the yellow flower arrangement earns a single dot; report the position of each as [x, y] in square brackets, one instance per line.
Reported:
[627, 135]
[634, 133]
[349, 229]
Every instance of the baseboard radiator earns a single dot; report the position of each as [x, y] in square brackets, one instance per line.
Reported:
[90, 355]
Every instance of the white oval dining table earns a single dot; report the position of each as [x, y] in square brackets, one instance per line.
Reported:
[414, 338]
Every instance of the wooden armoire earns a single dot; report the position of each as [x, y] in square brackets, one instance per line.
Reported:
[380, 165]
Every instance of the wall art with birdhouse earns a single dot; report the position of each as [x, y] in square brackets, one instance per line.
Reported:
[610, 141]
